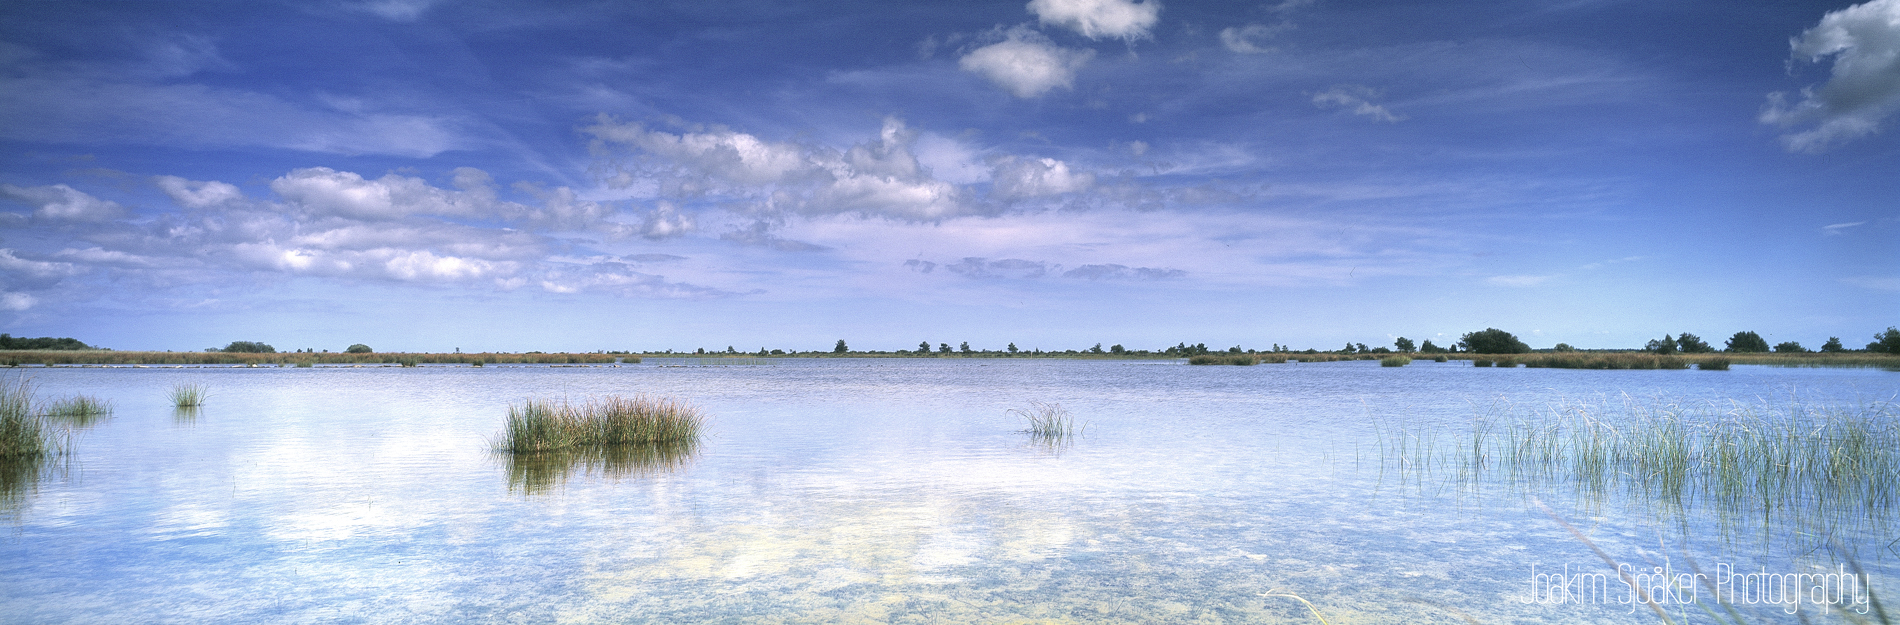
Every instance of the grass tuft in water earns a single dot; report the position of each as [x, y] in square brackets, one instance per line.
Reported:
[78, 407]
[188, 395]
[1394, 361]
[1713, 364]
[541, 425]
[24, 433]
[1047, 421]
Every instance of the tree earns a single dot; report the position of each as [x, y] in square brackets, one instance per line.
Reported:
[943, 347]
[1404, 344]
[924, 347]
[7, 341]
[1691, 344]
[1428, 348]
[1563, 347]
[358, 348]
[1348, 348]
[1118, 349]
[965, 347]
[1012, 347]
[1833, 345]
[1886, 342]
[249, 347]
[1664, 345]
[1789, 347]
[1747, 342]
[1097, 349]
[1493, 341]
[840, 348]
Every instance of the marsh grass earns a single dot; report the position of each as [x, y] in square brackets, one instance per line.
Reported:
[1047, 421]
[1394, 361]
[1223, 359]
[1823, 469]
[1713, 364]
[188, 395]
[542, 425]
[30, 442]
[1482, 362]
[78, 410]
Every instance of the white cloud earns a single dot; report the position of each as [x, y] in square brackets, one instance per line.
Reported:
[1864, 88]
[1097, 19]
[1518, 281]
[16, 301]
[1836, 229]
[195, 194]
[62, 202]
[1123, 272]
[1357, 99]
[1018, 178]
[880, 177]
[665, 222]
[397, 10]
[31, 272]
[982, 268]
[1026, 64]
[1251, 39]
[325, 191]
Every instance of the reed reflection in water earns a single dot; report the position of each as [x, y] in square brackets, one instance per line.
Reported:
[539, 472]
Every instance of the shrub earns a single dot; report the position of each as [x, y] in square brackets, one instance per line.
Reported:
[1493, 341]
[1440, 358]
[249, 347]
[1886, 342]
[1747, 342]
[1394, 361]
[1789, 347]
[358, 348]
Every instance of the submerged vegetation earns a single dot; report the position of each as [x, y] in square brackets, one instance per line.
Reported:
[188, 395]
[1817, 468]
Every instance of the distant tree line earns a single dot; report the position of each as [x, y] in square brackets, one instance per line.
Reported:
[7, 341]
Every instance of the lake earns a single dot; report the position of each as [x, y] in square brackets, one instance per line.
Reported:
[890, 490]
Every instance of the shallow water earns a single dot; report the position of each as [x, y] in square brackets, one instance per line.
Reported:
[852, 491]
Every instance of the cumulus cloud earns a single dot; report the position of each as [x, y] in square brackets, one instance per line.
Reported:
[1122, 272]
[326, 191]
[1018, 178]
[1098, 19]
[198, 194]
[63, 203]
[1026, 63]
[1356, 98]
[1864, 88]
[1252, 38]
[881, 177]
[16, 272]
[665, 222]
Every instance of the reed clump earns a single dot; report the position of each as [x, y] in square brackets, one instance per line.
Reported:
[541, 425]
[1819, 467]
[188, 395]
[1047, 421]
[78, 410]
[1394, 361]
[1223, 359]
[1713, 364]
[24, 432]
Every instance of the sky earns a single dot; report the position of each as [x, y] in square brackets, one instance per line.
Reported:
[430, 175]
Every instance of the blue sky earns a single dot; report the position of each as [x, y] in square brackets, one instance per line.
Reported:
[427, 175]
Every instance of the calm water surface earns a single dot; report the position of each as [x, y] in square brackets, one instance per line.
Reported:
[850, 491]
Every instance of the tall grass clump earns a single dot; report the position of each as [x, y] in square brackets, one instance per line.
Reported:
[1223, 359]
[1394, 361]
[1047, 421]
[547, 439]
[1823, 469]
[188, 395]
[1713, 364]
[541, 425]
[1440, 358]
[24, 433]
